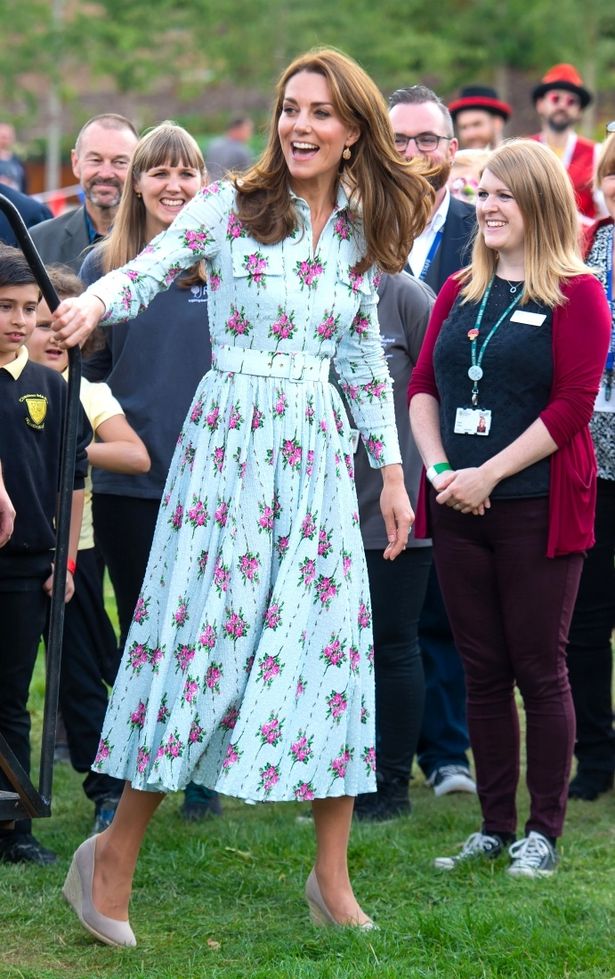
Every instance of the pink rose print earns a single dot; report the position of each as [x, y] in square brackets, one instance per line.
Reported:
[301, 749]
[327, 328]
[126, 298]
[213, 280]
[248, 566]
[235, 419]
[218, 458]
[268, 668]
[141, 613]
[370, 656]
[211, 420]
[187, 459]
[307, 572]
[309, 465]
[346, 564]
[249, 664]
[291, 453]
[143, 756]
[104, 751]
[233, 754]
[257, 419]
[300, 690]
[333, 653]
[338, 765]
[279, 406]
[222, 576]
[155, 657]
[309, 271]
[180, 615]
[350, 390]
[308, 526]
[326, 590]
[271, 731]
[191, 688]
[342, 227]
[173, 748]
[375, 390]
[221, 514]
[309, 411]
[369, 757]
[208, 637]
[375, 446]
[377, 278]
[236, 626]
[364, 712]
[198, 514]
[273, 616]
[229, 720]
[256, 266]
[324, 542]
[336, 706]
[354, 658]
[184, 655]
[213, 676]
[196, 732]
[349, 465]
[138, 656]
[283, 327]
[234, 228]
[270, 776]
[281, 545]
[196, 241]
[355, 519]
[172, 273]
[364, 618]
[265, 521]
[176, 517]
[303, 792]
[359, 325]
[238, 324]
[132, 274]
[137, 718]
[356, 279]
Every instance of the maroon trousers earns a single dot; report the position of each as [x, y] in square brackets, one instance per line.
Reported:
[510, 609]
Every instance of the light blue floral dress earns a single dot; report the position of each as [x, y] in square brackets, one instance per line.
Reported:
[249, 664]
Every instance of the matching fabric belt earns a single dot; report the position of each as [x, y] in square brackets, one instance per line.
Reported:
[292, 366]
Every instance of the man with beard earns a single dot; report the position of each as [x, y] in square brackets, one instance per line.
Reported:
[560, 99]
[100, 161]
[422, 126]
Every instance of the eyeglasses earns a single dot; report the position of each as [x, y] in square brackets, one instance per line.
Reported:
[561, 98]
[424, 142]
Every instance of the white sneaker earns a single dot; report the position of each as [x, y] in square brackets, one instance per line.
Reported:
[451, 778]
[533, 856]
[476, 845]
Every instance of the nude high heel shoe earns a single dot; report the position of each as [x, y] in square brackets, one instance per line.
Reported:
[77, 892]
[319, 912]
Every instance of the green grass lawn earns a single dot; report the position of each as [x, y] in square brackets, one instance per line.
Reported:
[224, 899]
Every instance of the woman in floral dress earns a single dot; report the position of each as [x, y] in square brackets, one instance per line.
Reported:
[248, 667]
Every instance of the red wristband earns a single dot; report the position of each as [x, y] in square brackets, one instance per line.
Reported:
[71, 566]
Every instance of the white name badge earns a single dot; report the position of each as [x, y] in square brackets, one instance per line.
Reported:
[530, 319]
[472, 421]
[601, 403]
[354, 439]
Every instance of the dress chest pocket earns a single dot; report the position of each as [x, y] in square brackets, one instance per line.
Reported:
[256, 265]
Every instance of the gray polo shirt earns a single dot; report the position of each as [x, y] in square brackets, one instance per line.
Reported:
[403, 313]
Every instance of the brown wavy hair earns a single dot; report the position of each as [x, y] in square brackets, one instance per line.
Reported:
[541, 187]
[166, 144]
[392, 196]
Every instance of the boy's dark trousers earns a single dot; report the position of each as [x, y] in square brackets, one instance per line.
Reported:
[22, 621]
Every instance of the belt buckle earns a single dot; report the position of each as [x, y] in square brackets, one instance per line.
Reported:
[297, 364]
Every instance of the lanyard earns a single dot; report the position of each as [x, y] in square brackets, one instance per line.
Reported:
[433, 251]
[610, 357]
[475, 372]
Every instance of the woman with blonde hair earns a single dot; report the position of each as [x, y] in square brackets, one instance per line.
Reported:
[500, 403]
[248, 667]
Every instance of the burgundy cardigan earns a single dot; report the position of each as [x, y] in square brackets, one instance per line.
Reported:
[581, 332]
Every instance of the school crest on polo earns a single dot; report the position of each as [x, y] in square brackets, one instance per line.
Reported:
[36, 407]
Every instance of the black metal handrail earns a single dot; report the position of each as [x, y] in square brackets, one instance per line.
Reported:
[27, 801]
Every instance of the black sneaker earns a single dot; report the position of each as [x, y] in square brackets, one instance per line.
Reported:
[589, 783]
[104, 811]
[477, 846]
[200, 803]
[390, 801]
[451, 778]
[24, 848]
[533, 856]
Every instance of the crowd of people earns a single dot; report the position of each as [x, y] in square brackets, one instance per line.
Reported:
[393, 310]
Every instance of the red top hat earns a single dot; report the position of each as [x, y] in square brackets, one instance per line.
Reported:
[480, 97]
[565, 77]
